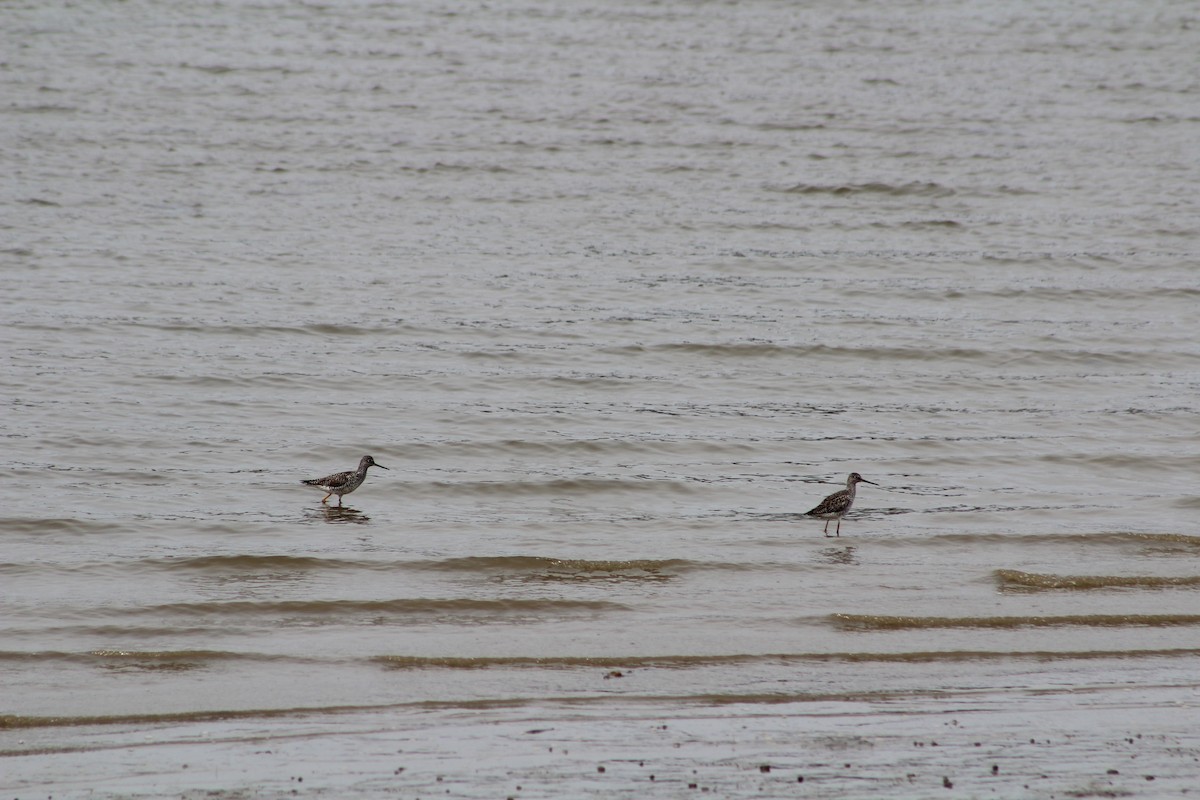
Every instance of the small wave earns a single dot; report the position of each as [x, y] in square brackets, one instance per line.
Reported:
[180, 655]
[398, 662]
[221, 564]
[118, 632]
[73, 526]
[533, 567]
[563, 567]
[108, 657]
[324, 329]
[874, 622]
[18, 722]
[911, 189]
[572, 449]
[923, 224]
[1025, 357]
[558, 486]
[1144, 293]
[685, 662]
[1124, 462]
[1100, 538]
[548, 568]
[742, 350]
[1162, 538]
[43, 108]
[1015, 579]
[270, 379]
[791, 126]
[443, 166]
[417, 606]
[150, 658]
[254, 562]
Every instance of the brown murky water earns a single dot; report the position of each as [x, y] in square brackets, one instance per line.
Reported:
[617, 291]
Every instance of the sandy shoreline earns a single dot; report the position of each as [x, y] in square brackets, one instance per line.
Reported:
[1103, 742]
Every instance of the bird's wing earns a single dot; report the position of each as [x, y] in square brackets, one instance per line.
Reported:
[831, 504]
[332, 481]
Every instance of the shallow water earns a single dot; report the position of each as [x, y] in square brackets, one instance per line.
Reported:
[617, 293]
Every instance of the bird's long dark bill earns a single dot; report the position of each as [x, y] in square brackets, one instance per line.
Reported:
[381, 466]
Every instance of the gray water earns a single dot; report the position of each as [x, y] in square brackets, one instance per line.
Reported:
[617, 291]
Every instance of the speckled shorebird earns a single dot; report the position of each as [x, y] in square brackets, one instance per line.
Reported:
[837, 504]
[341, 483]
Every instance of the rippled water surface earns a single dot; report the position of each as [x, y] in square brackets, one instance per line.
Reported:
[617, 291]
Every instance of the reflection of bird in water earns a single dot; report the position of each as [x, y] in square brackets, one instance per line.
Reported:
[341, 483]
[837, 504]
[839, 555]
[337, 515]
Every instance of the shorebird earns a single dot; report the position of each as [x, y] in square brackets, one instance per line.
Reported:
[837, 504]
[341, 483]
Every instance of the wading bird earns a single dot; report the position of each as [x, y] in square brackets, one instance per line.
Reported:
[837, 504]
[341, 483]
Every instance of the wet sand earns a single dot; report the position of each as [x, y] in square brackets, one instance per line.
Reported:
[1101, 742]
